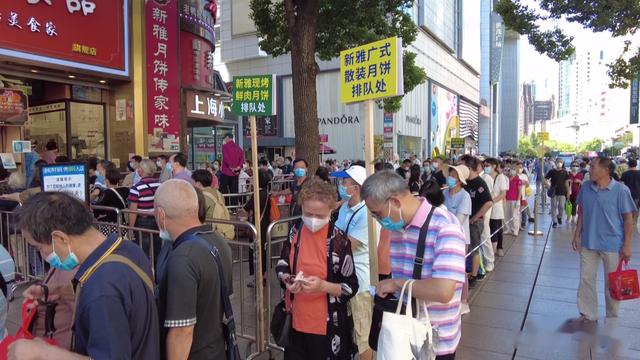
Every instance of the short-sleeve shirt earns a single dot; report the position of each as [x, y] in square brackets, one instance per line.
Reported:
[143, 193]
[444, 258]
[558, 180]
[479, 193]
[501, 183]
[460, 203]
[602, 215]
[190, 293]
[184, 175]
[116, 315]
[514, 188]
[631, 178]
[356, 219]
[310, 309]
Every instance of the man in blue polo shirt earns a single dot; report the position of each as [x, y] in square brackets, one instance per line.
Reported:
[604, 232]
[353, 220]
[115, 315]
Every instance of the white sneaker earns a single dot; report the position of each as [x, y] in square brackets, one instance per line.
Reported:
[464, 309]
[500, 252]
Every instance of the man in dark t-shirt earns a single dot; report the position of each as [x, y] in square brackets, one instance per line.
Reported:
[631, 178]
[558, 181]
[190, 296]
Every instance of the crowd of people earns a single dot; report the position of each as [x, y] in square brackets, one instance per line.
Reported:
[441, 222]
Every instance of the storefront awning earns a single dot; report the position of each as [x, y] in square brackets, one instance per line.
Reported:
[326, 149]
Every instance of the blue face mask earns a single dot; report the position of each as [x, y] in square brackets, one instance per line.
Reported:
[300, 172]
[388, 223]
[488, 170]
[342, 190]
[70, 263]
[451, 182]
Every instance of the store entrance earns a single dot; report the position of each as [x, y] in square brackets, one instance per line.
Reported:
[205, 144]
[72, 116]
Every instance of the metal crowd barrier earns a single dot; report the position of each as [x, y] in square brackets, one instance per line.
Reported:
[235, 202]
[277, 234]
[29, 264]
[281, 183]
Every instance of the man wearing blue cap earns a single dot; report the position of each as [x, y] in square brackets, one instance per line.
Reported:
[353, 220]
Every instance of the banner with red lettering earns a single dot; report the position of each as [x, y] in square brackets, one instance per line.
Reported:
[163, 86]
[67, 34]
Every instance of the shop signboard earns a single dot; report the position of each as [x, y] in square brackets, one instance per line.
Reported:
[543, 136]
[67, 34]
[204, 106]
[13, 107]
[254, 95]
[371, 71]
[163, 75]
[387, 127]
[457, 143]
[71, 178]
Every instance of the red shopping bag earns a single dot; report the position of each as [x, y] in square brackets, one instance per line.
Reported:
[23, 331]
[623, 284]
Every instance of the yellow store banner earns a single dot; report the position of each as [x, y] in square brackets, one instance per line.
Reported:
[372, 71]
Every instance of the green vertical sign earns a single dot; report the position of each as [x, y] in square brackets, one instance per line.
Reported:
[254, 95]
[635, 100]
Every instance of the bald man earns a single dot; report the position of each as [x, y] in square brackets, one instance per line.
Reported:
[189, 296]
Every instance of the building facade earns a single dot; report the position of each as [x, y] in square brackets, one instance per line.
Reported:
[510, 90]
[429, 116]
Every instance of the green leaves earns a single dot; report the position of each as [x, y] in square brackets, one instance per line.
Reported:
[620, 17]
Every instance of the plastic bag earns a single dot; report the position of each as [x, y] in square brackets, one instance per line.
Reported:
[23, 332]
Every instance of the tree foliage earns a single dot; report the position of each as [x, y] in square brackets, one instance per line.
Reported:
[283, 26]
[591, 145]
[620, 17]
[526, 149]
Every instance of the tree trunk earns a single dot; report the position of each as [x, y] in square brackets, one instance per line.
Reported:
[304, 69]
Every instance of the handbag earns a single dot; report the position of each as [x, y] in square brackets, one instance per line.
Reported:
[228, 323]
[282, 318]
[623, 284]
[275, 209]
[23, 332]
[404, 337]
[389, 304]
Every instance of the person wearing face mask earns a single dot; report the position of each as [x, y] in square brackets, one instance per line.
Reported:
[437, 167]
[426, 171]
[162, 162]
[316, 268]
[523, 174]
[132, 177]
[391, 203]
[576, 178]
[115, 315]
[493, 166]
[300, 173]
[512, 202]
[140, 199]
[353, 220]
[558, 181]
[189, 294]
[405, 170]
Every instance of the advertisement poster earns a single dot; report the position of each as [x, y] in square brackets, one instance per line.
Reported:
[20, 146]
[163, 87]
[8, 162]
[69, 178]
[444, 110]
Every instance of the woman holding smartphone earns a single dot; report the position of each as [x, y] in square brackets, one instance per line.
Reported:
[316, 266]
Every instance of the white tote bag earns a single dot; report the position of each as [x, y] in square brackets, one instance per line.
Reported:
[403, 337]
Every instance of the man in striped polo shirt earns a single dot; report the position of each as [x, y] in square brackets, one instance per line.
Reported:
[389, 200]
[141, 197]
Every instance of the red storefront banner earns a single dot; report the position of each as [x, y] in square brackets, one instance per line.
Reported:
[196, 62]
[163, 86]
[68, 34]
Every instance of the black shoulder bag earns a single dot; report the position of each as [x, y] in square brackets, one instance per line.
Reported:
[390, 303]
[282, 318]
[228, 323]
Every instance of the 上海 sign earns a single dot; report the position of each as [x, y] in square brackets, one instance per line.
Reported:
[205, 106]
[254, 95]
[372, 71]
[67, 33]
[70, 178]
[163, 86]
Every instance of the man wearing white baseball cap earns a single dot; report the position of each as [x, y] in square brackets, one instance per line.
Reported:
[353, 220]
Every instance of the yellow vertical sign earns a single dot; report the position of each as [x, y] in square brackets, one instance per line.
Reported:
[371, 71]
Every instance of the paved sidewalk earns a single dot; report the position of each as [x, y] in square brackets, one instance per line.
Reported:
[525, 307]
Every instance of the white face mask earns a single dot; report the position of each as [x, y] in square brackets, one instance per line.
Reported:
[315, 224]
